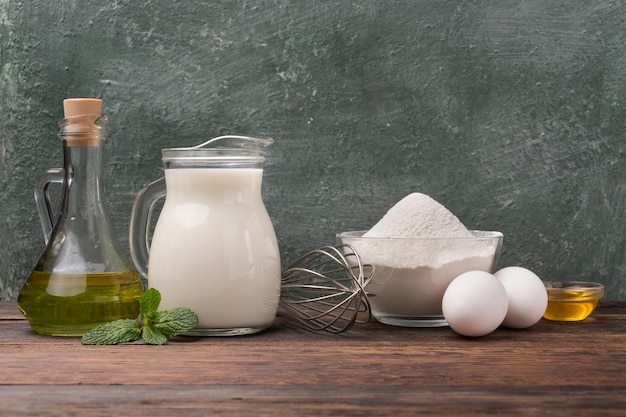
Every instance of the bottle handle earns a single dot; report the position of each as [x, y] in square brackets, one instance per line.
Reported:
[42, 199]
[140, 219]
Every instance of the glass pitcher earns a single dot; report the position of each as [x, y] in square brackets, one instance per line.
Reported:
[83, 279]
[214, 248]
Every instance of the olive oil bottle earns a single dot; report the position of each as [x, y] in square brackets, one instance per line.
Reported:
[82, 279]
[72, 304]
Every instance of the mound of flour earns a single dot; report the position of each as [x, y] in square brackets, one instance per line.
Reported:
[418, 215]
[412, 223]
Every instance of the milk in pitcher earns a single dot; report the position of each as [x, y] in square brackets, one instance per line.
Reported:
[214, 250]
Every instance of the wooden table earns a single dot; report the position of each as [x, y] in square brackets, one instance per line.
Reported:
[551, 369]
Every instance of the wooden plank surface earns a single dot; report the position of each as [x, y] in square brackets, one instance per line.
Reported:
[306, 400]
[549, 369]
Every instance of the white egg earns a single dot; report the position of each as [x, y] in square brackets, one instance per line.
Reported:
[475, 303]
[527, 294]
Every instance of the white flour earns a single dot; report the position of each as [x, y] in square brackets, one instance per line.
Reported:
[418, 215]
[414, 221]
[413, 270]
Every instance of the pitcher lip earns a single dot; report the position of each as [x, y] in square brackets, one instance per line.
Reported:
[224, 148]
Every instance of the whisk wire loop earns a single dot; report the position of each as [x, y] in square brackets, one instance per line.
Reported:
[324, 290]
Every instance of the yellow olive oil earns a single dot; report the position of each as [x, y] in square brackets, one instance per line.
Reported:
[570, 306]
[72, 304]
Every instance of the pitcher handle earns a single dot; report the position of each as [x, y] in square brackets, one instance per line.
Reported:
[42, 199]
[140, 219]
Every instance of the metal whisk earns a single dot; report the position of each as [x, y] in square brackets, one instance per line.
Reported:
[325, 289]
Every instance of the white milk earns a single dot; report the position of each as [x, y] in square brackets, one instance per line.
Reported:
[214, 249]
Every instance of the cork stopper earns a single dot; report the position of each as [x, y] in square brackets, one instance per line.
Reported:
[80, 106]
[79, 127]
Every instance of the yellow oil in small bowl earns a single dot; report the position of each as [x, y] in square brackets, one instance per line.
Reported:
[572, 300]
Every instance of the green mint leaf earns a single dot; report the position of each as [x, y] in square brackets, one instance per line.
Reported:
[149, 304]
[150, 319]
[176, 321]
[158, 326]
[112, 333]
[153, 336]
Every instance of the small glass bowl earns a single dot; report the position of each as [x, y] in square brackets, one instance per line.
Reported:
[572, 300]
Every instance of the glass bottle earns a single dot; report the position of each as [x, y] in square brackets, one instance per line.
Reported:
[83, 279]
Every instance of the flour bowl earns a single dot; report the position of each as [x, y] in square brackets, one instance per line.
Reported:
[412, 274]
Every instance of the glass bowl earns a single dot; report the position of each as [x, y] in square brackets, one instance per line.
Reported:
[572, 300]
[412, 274]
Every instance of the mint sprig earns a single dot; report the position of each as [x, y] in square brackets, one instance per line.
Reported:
[157, 326]
[112, 333]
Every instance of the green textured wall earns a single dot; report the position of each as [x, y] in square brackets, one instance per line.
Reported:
[511, 113]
